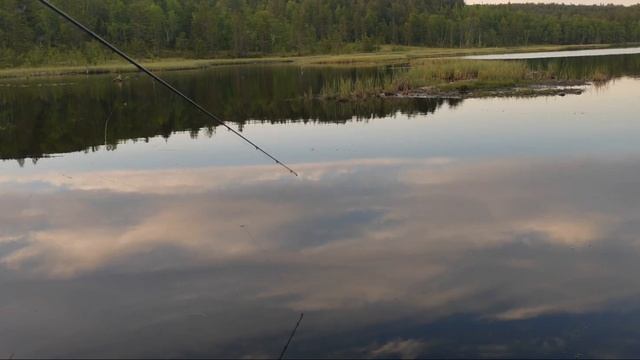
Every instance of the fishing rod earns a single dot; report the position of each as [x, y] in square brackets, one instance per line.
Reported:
[293, 333]
[161, 81]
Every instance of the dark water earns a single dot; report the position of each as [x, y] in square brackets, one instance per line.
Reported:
[44, 117]
[418, 228]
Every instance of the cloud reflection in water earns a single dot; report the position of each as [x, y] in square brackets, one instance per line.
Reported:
[217, 260]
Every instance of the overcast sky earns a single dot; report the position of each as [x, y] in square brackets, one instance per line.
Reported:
[588, 2]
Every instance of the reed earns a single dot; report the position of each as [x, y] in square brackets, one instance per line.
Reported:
[461, 75]
[359, 88]
[437, 72]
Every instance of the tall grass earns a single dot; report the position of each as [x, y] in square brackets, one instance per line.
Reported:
[458, 74]
[450, 70]
[358, 88]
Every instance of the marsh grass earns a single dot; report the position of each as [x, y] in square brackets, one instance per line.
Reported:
[359, 88]
[116, 66]
[460, 75]
[386, 55]
[467, 72]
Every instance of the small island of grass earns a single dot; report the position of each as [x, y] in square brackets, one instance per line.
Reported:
[462, 78]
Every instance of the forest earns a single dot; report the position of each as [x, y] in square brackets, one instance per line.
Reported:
[31, 35]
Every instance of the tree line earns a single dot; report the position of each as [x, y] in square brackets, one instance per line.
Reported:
[31, 35]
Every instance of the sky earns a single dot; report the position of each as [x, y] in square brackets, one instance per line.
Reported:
[585, 2]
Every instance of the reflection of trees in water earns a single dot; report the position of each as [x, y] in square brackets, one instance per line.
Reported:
[585, 67]
[39, 120]
[321, 111]
[43, 118]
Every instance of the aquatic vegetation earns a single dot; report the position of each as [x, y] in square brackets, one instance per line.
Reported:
[360, 88]
[462, 76]
[384, 56]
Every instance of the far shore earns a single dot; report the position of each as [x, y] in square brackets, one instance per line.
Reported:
[387, 55]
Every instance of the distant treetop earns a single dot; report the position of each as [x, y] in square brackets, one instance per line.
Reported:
[31, 34]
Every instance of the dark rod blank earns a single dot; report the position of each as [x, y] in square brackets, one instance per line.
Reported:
[293, 333]
[161, 81]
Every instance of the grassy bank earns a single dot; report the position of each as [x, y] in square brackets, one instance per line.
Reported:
[386, 55]
[117, 67]
[464, 78]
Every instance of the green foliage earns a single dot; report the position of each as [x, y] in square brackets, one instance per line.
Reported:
[438, 71]
[464, 75]
[30, 34]
[355, 88]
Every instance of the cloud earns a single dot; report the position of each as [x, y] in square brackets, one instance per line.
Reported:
[404, 349]
[364, 241]
[571, 232]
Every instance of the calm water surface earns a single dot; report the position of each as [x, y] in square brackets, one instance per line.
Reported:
[559, 54]
[132, 227]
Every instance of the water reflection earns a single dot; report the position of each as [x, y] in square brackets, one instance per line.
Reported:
[41, 117]
[395, 257]
[493, 228]
[586, 67]
[560, 54]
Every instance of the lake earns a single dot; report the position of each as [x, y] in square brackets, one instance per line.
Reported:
[558, 54]
[132, 226]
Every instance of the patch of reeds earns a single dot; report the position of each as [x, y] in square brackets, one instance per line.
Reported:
[460, 75]
[355, 88]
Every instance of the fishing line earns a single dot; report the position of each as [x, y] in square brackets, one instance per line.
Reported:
[161, 81]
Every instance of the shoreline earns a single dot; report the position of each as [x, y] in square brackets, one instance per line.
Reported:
[388, 55]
